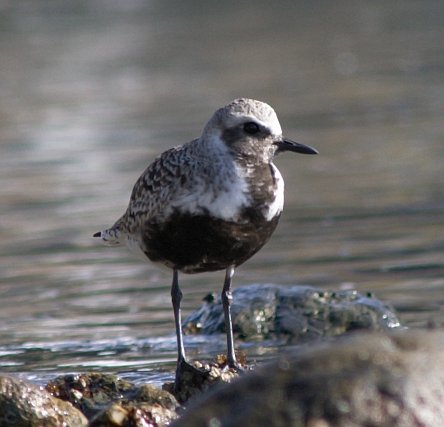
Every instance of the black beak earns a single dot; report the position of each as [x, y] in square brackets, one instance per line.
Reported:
[289, 145]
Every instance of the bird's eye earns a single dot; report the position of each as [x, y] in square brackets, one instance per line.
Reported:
[251, 128]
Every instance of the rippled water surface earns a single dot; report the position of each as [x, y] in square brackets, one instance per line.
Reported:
[91, 92]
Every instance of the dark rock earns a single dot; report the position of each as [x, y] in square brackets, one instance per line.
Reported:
[194, 379]
[366, 379]
[109, 401]
[26, 405]
[292, 312]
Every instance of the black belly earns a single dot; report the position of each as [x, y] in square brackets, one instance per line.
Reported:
[197, 243]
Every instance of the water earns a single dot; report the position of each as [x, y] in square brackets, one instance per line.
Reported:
[91, 91]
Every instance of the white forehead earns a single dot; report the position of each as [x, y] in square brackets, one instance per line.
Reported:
[271, 122]
[242, 110]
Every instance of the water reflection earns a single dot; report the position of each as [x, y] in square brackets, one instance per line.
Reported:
[92, 91]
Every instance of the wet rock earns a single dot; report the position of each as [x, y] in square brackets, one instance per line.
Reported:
[90, 392]
[194, 379]
[132, 414]
[295, 313]
[366, 379]
[147, 393]
[26, 405]
[108, 400]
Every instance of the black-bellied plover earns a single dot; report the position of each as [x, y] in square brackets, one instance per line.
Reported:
[211, 203]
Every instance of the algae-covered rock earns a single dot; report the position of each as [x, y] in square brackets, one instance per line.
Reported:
[23, 404]
[294, 313]
[366, 379]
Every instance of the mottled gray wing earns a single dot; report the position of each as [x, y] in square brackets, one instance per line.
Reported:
[156, 187]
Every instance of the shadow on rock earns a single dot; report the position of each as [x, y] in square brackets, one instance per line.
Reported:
[197, 378]
[367, 379]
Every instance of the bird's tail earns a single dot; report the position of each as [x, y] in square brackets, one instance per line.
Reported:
[110, 236]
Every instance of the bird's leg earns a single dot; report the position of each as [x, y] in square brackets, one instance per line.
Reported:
[176, 298]
[227, 298]
[198, 376]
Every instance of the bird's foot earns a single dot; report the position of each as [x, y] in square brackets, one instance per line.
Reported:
[238, 365]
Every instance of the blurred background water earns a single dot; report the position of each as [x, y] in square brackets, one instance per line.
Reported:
[91, 91]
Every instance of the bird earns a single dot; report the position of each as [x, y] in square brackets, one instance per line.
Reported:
[209, 204]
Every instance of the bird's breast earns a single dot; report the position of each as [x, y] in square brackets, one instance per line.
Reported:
[266, 191]
[275, 204]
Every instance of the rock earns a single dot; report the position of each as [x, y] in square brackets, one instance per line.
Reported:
[26, 405]
[147, 393]
[130, 414]
[109, 401]
[90, 392]
[194, 379]
[365, 379]
[295, 313]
